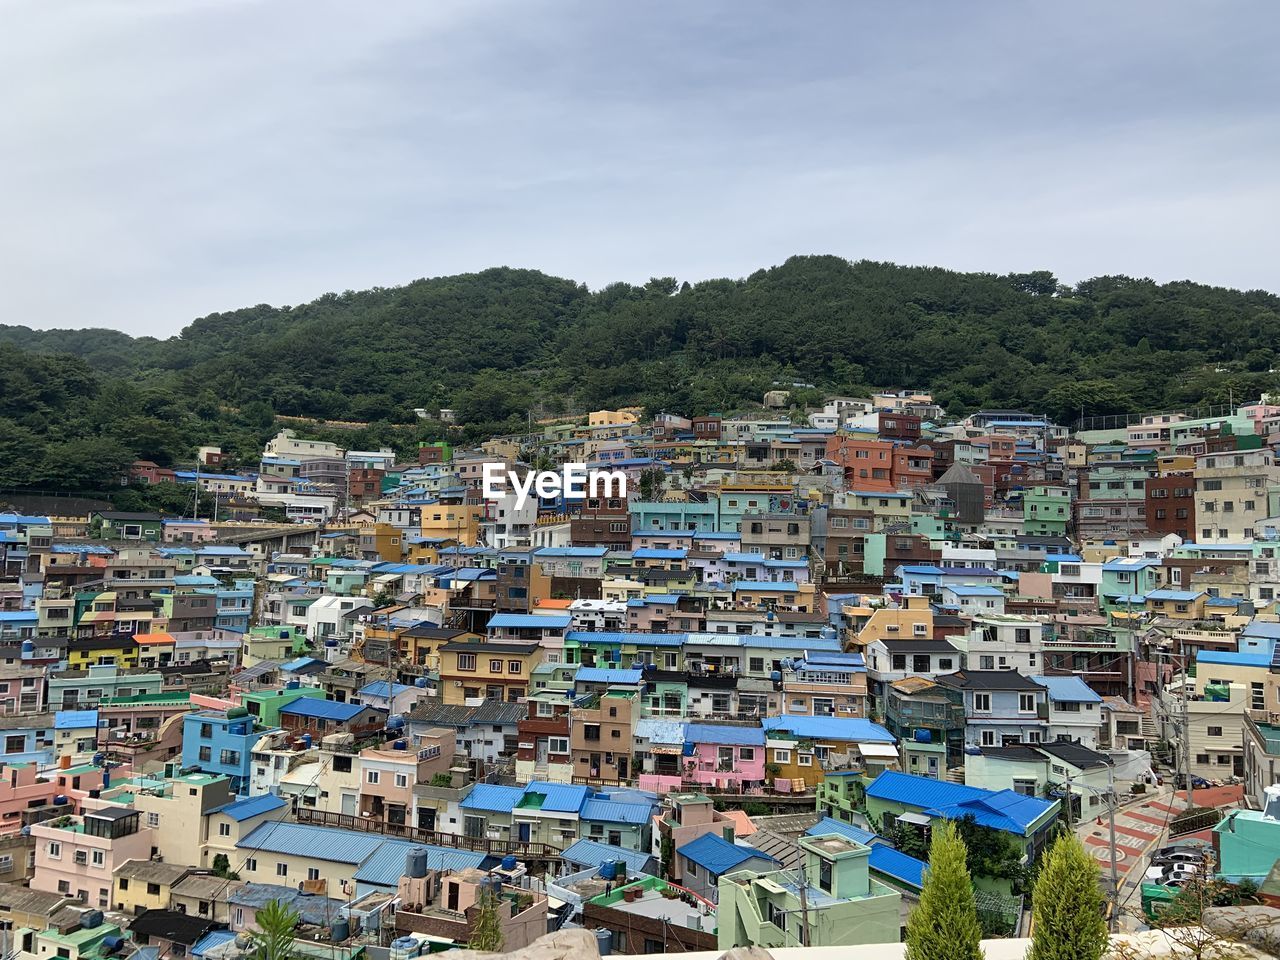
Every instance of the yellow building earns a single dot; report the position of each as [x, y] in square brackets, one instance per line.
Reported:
[496, 671]
[120, 649]
[914, 620]
[457, 521]
[384, 540]
[1177, 604]
[610, 418]
[139, 885]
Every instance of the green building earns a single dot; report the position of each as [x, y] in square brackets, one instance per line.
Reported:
[1248, 842]
[1046, 511]
[265, 705]
[114, 525]
[842, 904]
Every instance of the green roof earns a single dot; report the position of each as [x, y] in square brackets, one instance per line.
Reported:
[148, 698]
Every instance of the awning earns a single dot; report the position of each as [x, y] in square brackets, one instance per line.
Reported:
[878, 751]
[918, 819]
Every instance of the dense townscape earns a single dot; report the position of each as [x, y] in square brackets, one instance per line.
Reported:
[732, 697]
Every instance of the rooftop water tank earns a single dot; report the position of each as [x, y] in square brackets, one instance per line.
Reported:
[416, 862]
[340, 930]
[91, 920]
[509, 862]
[604, 941]
[420, 683]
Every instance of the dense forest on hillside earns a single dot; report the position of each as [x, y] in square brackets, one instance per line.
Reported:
[498, 345]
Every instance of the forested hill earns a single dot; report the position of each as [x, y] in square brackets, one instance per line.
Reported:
[493, 344]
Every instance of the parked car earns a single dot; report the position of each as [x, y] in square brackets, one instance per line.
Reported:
[1177, 856]
[1176, 871]
[1199, 783]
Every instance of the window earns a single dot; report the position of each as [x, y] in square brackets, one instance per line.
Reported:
[1026, 703]
[224, 829]
[782, 756]
[824, 875]
[313, 873]
[371, 776]
[1215, 731]
[251, 865]
[153, 820]
[466, 661]
[804, 759]
[986, 663]
[124, 883]
[282, 869]
[15, 744]
[153, 889]
[1258, 696]
[513, 666]
[99, 858]
[746, 753]
[402, 780]
[944, 663]
[988, 738]
[55, 850]
[495, 666]
[557, 744]
[206, 754]
[982, 703]
[206, 731]
[691, 869]
[1202, 758]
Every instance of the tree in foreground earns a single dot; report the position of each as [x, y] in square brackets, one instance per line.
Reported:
[486, 934]
[1069, 924]
[944, 926]
[274, 938]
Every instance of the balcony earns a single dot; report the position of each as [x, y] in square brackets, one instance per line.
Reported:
[1259, 724]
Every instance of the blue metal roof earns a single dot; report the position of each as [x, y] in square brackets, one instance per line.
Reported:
[639, 639]
[592, 853]
[1266, 629]
[214, 938]
[652, 553]
[1231, 658]
[323, 709]
[617, 811]
[386, 865]
[606, 675]
[782, 586]
[250, 807]
[1182, 596]
[719, 733]
[558, 797]
[1000, 809]
[492, 797]
[656, 730]
[379, 689]
[855, 729]
[847, 830]
[584, 552]
[305, 840]
[717, 855]
[75, 719]
[1068, 689]
[548, 621]
[744, 558]
[963, 590]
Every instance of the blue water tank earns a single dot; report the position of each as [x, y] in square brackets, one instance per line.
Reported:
[60, 801]
[416, 862]
[340, 930]
[508, 863]
[106, 777]
[395, 722]
[91, 920]
[924, 736]
[775, 676]
[28, 649]
[112, 943]
[607, 870]
[293, 685]
[402, 744]
[420, 683]
[284, 634]
[306, 741]
[331, 643]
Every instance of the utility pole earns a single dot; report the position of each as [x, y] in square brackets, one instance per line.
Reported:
[804, 899]
[1112, 803]
[1186, 733]
[1067, 802]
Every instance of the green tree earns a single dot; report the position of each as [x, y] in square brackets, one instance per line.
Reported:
[274, 938]
[222, 868]
[486, 930]
[785, 466]
[1069, 924]
[944, 925]
[651, 482]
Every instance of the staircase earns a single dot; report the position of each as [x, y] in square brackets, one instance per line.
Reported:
[1149, 729]
[955, 775]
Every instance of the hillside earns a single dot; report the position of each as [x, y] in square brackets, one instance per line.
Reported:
[493, 344]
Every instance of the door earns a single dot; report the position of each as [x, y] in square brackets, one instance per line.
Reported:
[522, 830]
[426, 818]
[933, 767]
[622, 768]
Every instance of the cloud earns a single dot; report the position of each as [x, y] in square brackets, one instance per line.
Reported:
[165, 160]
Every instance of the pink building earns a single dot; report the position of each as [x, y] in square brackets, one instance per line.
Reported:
[388, 775]
[76, 856]
[725, 756]
[24, 788]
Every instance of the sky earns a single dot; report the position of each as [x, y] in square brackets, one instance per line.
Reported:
[166, 159]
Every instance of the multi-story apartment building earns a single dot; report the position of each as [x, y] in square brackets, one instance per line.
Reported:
[1231, 494]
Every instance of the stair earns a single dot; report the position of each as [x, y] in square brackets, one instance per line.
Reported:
[1149, 729]
[955, 775]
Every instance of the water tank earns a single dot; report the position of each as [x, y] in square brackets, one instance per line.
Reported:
[112, 943]
[306, 741]
[924, 736]
[340, 930]
[91, 919]
[828, 632]
[284, 634]
[99, 759]
[60, 800]
[28, 649]
[331, 642]
[509, 862]
[420, 683]
[608, 871]
[106, 777]
[404, 948]
[236, 712]
[395, 722]
[604, 941]
[416, 862]
[402, 744]
[775, 676]
[293, 685]
[620, 870]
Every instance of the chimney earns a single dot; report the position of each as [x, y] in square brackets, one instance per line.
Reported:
[727, 832]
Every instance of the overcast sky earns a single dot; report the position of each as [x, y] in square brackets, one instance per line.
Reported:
[165, 159]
